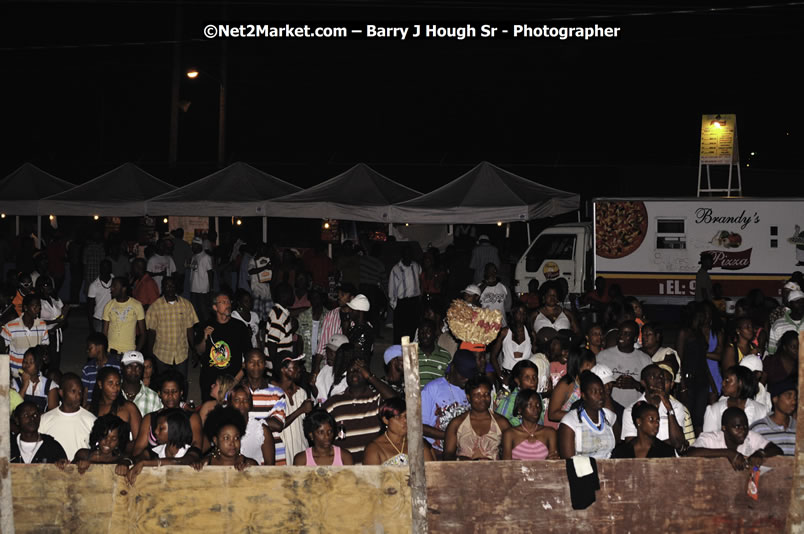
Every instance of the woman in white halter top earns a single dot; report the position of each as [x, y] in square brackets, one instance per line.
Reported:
[551, 314]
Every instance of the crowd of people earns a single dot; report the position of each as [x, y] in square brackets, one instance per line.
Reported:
[286, 348]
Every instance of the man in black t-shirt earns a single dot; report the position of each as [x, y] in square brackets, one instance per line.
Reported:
[223, 346]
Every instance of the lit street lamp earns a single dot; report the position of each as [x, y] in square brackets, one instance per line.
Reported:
[194, 74]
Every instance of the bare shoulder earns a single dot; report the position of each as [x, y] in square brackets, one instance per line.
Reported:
[300, 458]
[501, 420]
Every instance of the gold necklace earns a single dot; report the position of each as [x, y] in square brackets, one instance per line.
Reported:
[530, 434]
[398, 451]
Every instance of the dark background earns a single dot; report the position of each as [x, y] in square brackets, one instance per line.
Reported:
[87, 86]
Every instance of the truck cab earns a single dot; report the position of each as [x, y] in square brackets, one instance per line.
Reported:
[561, 251]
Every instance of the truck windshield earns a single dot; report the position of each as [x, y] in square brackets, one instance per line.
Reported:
[550, 247]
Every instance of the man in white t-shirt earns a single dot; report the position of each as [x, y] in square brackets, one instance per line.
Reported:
[740, 446]
[98, 295]
[671, 411]
[626, 362]
[160, 264]
[69, 424]
[493, 293]
[202, 275]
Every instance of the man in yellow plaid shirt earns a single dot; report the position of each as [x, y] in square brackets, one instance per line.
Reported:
[170, 320]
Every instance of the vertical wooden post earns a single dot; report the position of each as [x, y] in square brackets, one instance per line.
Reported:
[6, 501]
[413, 400]
[795, 514]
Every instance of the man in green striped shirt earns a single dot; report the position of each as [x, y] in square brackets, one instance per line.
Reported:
[433, 360]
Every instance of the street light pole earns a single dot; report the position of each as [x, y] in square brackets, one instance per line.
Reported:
[193, 74]
[222, 108]
[173, 146]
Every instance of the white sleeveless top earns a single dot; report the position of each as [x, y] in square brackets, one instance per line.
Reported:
[509, 347]
[562, 322]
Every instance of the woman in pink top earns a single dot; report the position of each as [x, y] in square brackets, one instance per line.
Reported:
[319, 427]
[529, 440]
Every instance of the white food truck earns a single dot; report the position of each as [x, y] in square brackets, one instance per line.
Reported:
[652, 247]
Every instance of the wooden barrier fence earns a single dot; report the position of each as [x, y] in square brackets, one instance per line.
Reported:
[668, 495]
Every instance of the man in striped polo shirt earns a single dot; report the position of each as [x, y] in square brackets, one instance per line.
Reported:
[779, 426]
[25, 332]
[278, 335]
[355, 410]
[269, 404]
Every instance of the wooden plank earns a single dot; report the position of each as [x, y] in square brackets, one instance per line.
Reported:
[413, 401]
[795, 516]
[692, 495]
[6, 505]
[218, 499]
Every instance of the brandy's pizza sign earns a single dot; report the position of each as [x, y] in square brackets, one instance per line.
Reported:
[710, 216]
[731, 261]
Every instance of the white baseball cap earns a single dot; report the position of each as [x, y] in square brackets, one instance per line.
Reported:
[603, 372]
[132, 356]
[752, 362]
[336, 341]
[359, 303]
[472, 289]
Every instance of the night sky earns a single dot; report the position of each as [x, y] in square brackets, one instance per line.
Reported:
[87, 87]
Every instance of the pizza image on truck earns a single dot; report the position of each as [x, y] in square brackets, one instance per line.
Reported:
[651, 247]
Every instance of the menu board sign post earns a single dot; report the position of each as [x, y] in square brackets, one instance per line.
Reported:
[719, 148]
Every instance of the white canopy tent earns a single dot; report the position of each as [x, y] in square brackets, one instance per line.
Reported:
[121, 192]
[21, 191]
[486, 194]
[359, 194]
[237, 190]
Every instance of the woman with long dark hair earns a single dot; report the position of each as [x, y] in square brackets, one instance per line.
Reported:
[741, 343]
[568, 389]
[108, 399]
[697, 387]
